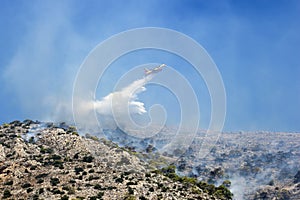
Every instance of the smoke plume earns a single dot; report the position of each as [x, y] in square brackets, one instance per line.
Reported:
[116, 108]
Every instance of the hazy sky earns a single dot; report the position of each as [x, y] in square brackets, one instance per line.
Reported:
[255, 44]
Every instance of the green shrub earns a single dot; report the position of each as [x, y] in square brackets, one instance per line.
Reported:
[119, 180]
[26, 185]
[65, 197]
[75, 133]
[29, 190]
[31, 140]
[9, 183]
[97, 187]
[78, 170]
[196, 190]
[33, 167]
[71, 190]
[164, 189]
[72, 128]
[6, 194]
[54, 181]
[44, 150]
[92, 137]
[43, 175]
[111, 188]
[131, 183]
[76, 156]
[130, 190]
[72, 181]
[188, 180]
[55, 157]
[67, 188]
[40, 181]
[221, 192]
[88, 159]
[41, 190]
[143, 198]
[35, 197]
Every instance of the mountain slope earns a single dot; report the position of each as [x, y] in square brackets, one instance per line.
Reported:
[42, 161]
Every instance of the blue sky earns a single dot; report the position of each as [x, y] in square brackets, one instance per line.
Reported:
[255, 45]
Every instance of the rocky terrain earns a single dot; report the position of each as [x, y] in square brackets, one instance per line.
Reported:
[258, 165]
[52, 161]
[48, 161]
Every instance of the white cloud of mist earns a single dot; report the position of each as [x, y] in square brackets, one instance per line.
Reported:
[120, 105]
[119, 100]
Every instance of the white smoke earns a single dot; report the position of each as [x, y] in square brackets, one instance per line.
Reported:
[123, 100]
[116, 109]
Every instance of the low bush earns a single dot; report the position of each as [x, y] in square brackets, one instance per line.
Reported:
[6, 194]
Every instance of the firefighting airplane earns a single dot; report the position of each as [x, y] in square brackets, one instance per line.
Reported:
[154, 70]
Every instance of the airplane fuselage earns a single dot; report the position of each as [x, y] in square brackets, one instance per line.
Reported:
[154, 70]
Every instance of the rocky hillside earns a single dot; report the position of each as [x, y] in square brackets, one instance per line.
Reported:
[260, 165]
[256, 165]
[44, 161]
